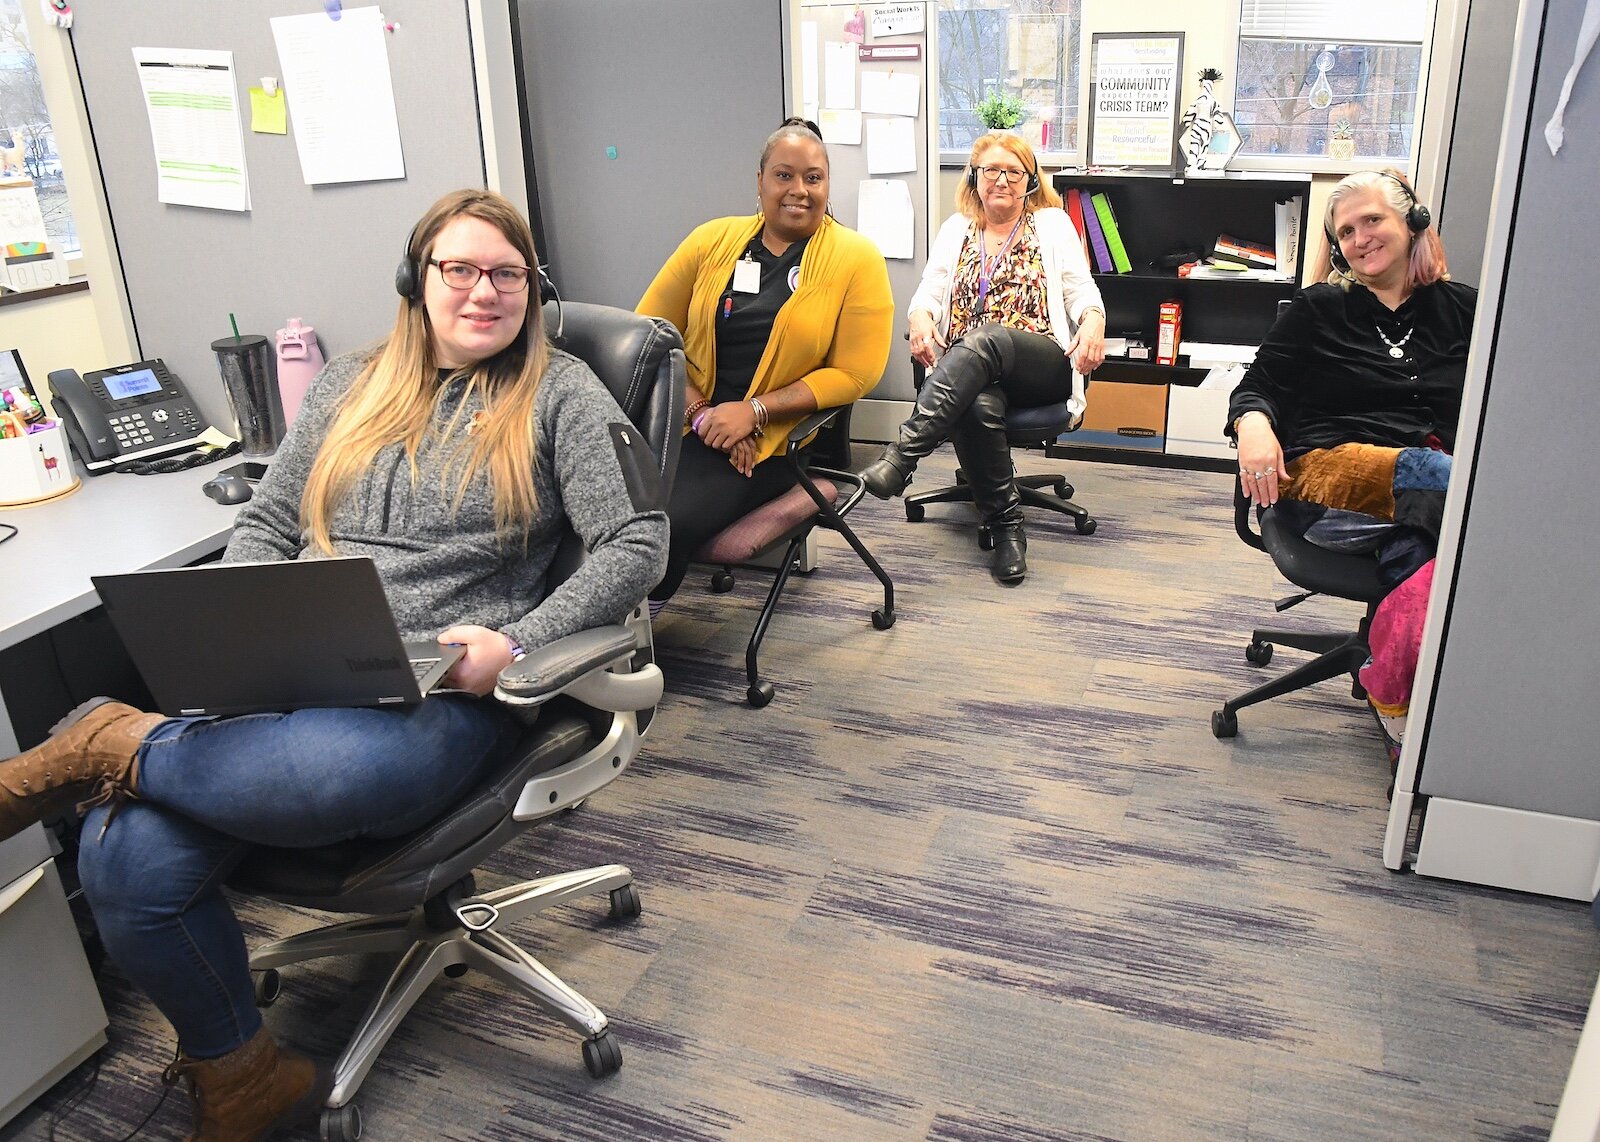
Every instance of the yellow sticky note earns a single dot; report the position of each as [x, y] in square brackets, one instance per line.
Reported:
[269, 114]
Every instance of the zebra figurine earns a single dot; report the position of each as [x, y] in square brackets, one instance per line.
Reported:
[1200, 122]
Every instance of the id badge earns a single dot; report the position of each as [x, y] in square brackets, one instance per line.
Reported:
[747, 276]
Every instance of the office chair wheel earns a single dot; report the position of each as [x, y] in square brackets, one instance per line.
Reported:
[625, 903]
[882, 619]
[1224, 724]
[268, 985]
[1258, 653]
[341, 1123]
[760, 694]
[1065, 490]
[915, 513]
[1086, 525]
[602, 1055]
[721, 582]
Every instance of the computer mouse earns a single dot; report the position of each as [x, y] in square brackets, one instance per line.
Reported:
[228, 489]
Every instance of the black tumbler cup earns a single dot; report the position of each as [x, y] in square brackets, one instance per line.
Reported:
[248, 377]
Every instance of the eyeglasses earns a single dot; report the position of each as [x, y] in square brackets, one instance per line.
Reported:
[465, 275]
[1011, 174]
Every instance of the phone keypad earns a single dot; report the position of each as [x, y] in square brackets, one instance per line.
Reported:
[131, 430]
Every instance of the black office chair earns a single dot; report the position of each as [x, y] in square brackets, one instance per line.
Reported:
[593, 695]
[788, 522]
[1319, 572]
[1033, 427]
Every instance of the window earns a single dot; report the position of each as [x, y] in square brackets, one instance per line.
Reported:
[1024, 48]
[1337, 80]
[27, 141]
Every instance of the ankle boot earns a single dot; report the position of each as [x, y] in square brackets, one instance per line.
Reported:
[1010, 563]
[250, 1091]
[91, 753]
[970, 366]
[985, 455]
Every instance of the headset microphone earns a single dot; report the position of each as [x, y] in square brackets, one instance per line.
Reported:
[1033, 179]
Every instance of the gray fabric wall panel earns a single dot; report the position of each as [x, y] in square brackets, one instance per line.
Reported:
[1515, 717]
[324, 254]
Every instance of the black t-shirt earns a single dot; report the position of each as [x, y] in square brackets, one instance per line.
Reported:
[744, 320]
[1325, 375]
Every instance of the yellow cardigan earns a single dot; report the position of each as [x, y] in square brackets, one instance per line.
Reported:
[832, 334]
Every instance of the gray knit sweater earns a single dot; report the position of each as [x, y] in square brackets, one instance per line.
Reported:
[441, 567]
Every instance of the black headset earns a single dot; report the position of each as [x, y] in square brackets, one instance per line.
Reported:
[408, 277]
[1418, 218]
[1033, 179]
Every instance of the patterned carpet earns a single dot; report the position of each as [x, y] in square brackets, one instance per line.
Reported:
[983, 876]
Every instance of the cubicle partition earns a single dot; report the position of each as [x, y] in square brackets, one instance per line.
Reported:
[325, 253]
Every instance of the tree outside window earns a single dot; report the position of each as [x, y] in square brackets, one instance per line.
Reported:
[27, 140]
[1026, 48]
[1314, 99]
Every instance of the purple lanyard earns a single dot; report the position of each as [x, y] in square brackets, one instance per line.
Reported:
[985, 262]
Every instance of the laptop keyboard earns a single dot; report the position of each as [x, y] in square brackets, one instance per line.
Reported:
[420, 666]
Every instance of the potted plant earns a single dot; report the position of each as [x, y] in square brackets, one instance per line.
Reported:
[1000, 111]
[1343, 144]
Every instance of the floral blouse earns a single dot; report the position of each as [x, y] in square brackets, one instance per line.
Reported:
[1016, 294]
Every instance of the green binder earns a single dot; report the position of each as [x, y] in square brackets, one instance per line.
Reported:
[1108, 223]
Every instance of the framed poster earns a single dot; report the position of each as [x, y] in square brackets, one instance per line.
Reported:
[1133, 99]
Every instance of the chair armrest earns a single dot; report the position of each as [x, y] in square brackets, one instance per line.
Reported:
[1242, 522]
[545, 672]
[813, 423]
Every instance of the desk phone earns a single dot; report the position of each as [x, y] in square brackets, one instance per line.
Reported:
[131, 412]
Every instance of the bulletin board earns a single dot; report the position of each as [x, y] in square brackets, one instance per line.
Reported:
[884, 31]
[325, 254]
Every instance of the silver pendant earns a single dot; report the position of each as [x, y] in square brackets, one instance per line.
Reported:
[1396, 352]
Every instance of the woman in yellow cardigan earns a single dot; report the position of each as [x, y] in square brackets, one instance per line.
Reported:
[782, 313]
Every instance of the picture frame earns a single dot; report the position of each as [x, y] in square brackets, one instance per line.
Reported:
[1224, 144]
[1135, 81]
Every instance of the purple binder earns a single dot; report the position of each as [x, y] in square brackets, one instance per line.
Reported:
[1097, 242]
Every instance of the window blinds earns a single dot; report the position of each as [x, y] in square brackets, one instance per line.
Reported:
[1336, 21]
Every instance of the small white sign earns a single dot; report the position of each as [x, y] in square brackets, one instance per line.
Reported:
[898, 20]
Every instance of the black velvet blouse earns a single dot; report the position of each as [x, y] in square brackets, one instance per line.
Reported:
[1326, 375]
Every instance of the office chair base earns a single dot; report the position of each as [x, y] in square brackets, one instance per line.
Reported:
[427, 951]
[1341, 655]
[1029, 488]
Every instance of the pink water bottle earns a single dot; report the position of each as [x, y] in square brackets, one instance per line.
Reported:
[299, 361]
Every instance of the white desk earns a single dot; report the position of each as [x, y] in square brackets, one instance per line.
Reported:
[111, 523]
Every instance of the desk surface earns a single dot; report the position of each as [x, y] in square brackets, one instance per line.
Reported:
[111, 523]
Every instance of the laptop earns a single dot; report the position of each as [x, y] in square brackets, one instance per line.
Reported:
[242, 638]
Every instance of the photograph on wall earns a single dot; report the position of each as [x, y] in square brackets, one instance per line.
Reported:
[1133, 99]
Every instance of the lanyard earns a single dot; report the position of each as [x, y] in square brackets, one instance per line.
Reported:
[985, 262]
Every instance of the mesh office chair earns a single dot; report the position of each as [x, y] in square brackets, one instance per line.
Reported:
[788, 522]
[1319, 572]
[593, 693]
[1025, 428]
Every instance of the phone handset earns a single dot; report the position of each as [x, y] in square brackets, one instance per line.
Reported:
[83, 417]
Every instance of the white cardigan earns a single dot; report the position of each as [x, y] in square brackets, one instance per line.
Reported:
[1069, 288]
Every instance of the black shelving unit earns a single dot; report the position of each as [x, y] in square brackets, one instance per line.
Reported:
[1159, 214]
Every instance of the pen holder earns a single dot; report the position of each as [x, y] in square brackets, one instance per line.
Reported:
[34, 467]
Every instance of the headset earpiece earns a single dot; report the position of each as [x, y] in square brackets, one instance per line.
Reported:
[972, 177]
[408, 274]
[1033, 179]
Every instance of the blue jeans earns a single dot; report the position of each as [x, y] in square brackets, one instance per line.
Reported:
[212, 787]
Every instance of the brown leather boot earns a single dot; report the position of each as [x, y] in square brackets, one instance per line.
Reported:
[93, 751]
[251, 1091]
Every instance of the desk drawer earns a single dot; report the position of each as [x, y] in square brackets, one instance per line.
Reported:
[53, 1016]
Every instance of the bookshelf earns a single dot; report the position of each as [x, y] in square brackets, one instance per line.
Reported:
[1157, 214]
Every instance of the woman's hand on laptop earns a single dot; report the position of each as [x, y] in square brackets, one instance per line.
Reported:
[487, 654]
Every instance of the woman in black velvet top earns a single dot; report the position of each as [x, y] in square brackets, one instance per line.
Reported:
[1348, 414]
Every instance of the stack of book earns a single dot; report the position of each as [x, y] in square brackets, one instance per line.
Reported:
[1097, 226]
[1241, 260]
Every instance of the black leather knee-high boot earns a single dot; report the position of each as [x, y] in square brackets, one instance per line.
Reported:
[970, 366]
[985, 455]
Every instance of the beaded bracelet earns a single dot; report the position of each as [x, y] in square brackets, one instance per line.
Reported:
[688, 413]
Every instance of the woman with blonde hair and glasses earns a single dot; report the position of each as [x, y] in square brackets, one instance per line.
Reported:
[455, 455]
[1006, 312]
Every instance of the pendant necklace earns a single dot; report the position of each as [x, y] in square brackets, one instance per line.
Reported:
[1396, 348]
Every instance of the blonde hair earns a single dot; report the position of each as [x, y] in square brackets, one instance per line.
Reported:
[1426, 263]
[394, 398]
[967, 200]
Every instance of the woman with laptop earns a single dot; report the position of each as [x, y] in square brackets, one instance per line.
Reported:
[455, 455]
